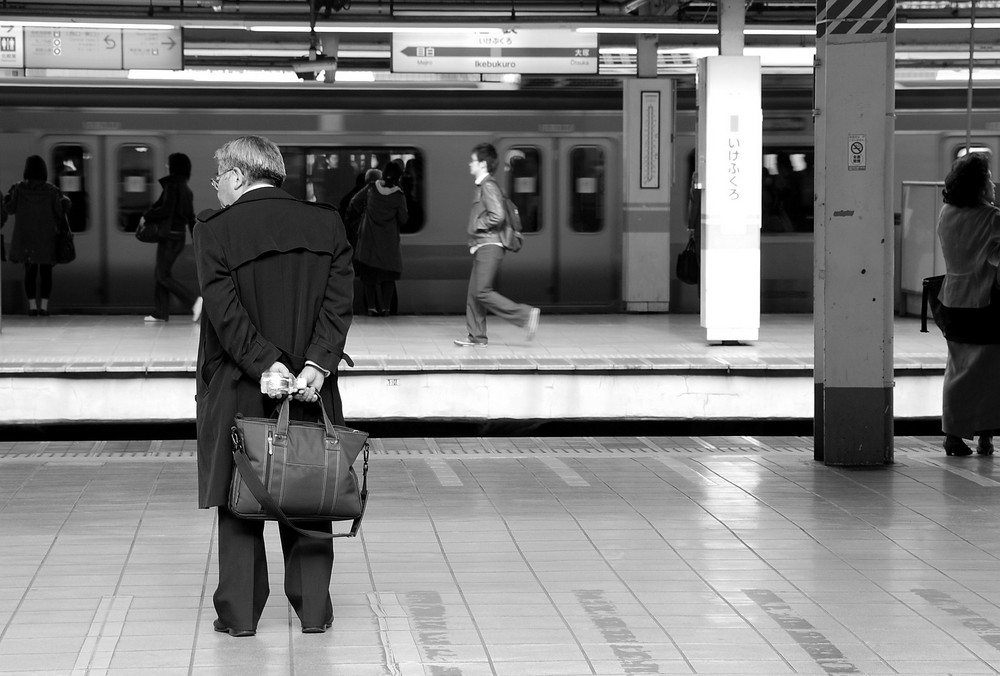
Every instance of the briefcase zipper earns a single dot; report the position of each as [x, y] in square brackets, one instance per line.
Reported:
[270, 454]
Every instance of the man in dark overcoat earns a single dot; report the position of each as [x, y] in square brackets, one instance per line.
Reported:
[277, 282]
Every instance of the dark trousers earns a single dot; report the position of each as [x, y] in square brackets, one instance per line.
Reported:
[378, 296]
[243, 587]
[167, 252]
[481, 297]
[33, 273]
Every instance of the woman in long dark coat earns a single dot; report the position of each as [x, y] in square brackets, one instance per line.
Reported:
[969, 230]
[40, 211]
[175, 206]
[377, 258]
[276, 278]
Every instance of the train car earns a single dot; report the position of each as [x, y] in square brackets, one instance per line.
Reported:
[106, 151]
[561, 157]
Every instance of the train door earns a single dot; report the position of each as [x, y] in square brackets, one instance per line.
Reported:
[111, 181]
[133, 166]
[74, 165]
[571, 254]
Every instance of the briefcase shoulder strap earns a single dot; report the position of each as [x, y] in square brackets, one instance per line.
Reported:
[271, 507]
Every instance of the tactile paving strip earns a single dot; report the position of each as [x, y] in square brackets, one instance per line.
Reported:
[468, 447]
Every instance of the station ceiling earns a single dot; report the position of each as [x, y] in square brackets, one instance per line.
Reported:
[275, 34]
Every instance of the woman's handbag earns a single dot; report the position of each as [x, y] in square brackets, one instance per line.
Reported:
[976, 326]
[294, 469]
[688, 267]
[65, 249]
[152, 232]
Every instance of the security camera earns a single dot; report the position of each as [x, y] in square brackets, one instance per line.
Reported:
[327, 63]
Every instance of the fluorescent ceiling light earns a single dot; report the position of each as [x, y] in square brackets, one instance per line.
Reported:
[354, 76]
[94, 25]
[276, 53]
[943, 55]
[210, 75]
[380, 28]
[941, 25]
[675, 29]
[783, 57]
[779, 30]
[956, 75]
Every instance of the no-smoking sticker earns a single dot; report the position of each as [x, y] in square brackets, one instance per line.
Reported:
[857, 147]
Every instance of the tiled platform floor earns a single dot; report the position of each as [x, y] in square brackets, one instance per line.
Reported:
[726, 555]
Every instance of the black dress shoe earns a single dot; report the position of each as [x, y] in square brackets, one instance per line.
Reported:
[985, 445]
[237, 633]
[318, 629]
[955, 446]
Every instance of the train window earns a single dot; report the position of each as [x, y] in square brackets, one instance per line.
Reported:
[962, 152]
[787, 190]
[69, 168]
[135, 184]
[335, 174]
[587, 166]
[524, 185]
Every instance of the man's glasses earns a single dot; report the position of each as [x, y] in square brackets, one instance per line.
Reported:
[215, 181]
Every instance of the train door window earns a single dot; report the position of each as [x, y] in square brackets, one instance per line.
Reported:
[587, 169]
[962, 152]
[335, 174]
[68, 170]
[524, 185]
[134, 166]
[787, 190]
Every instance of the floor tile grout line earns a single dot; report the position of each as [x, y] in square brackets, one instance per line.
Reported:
[617, 575]
[843, 475]
[451, 571]
[527, 563]
[48, 552]
[205, 582]
[753, 460]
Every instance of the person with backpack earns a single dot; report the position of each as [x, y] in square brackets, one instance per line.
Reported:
[485, 222]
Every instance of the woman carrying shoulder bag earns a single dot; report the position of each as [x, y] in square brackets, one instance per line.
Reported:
[969, 230]
[175, 206]
[39, 210]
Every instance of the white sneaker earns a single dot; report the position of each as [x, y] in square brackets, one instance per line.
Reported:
[151, 319]
[533, 322]
[196, 309]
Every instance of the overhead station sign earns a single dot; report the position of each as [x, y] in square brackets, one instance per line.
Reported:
[496, 51]
[91, 48]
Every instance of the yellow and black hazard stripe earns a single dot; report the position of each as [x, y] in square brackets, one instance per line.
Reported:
[855, 17]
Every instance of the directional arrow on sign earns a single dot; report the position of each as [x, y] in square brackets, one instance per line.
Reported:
[172, 43]
[495, 52]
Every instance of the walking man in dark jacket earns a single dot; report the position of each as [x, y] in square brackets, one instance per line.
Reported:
[485, 219]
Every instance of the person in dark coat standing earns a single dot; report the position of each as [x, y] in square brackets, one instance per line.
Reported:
[176, 206]
[277, 282]
[40, 210]
[377, 258]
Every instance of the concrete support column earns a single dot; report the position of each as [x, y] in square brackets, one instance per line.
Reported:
[853, 258]
[647, 150]
[732, 19]
[645, 58]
